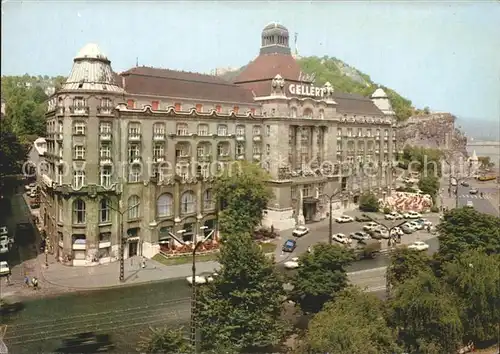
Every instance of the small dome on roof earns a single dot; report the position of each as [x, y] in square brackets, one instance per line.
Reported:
[91, 51]
[379, 93]
[274, 25]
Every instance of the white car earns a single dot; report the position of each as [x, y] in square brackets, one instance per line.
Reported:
[470, 204]
[397, 232]
[370, 226]
[4, 230]
[4, 248]
[292, 264]
[4, 268]
[416, 225]
[360, 236]
[412, 215]
[5, 239]
[300, 231]
[341, 238]
[201, 279]
[418, 246]
[424, 222]
[344, 219]
[393, 216]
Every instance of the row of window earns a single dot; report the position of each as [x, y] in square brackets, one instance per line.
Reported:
[155, 105]
[164, 207]
[359, 132]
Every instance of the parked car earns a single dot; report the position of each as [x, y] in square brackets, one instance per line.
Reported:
[379, 233]
[4, 230]
[470, 204]
[300, 231]
[416, 225]
[360, 236]
[453, 182]
[412, 215]
[362, 218]
[4, 268]
[6, 239]
[424, 222]
[464, 183]
[418, 246]
[4, 248]
[473, 191]
[289, 246]
[344, 219]
[370, 226]
[292, 264]
[341, 238]
[407, 228]
[393, 216]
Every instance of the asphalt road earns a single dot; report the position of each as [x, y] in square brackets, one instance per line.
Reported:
[481, 204]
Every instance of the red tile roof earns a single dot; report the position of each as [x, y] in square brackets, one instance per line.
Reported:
[267, 66]
[182, 84]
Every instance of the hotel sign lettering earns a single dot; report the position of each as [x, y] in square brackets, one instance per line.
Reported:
[306, 90]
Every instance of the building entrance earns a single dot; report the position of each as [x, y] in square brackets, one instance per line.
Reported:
[132, 248]
[310, 208]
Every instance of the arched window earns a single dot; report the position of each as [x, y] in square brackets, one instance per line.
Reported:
[308, 113]
[104, 211]
[164, 205]
[182, 129]
[78, 212]
[133, 205]
[188, 203]
[208, 202]
[293, 112]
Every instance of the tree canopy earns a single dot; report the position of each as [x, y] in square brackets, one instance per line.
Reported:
[465, 229]
[321, 275]
[352, 323]
[419, 159]
[369, 202]
[243, 194]
[241, 309]
[424, 313]
[164, 340]
[429, 185]
[406, 264]
[12, 153]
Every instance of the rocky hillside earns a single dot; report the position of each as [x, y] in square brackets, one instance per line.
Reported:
[344, 78]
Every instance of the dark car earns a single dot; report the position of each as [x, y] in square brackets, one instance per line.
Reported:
[289, 246]
[362, 218]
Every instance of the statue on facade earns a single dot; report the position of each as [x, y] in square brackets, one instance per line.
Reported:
[278, 85]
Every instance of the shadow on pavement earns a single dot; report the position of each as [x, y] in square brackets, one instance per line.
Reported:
[87, 342]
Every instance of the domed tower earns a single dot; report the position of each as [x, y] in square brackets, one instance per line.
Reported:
[275, 39]
[91, 72]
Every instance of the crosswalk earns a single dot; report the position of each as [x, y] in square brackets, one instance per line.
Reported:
[476, 196]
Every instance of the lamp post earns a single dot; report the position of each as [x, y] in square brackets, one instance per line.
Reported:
[194, 332]
[46, 251]
[330, 225]
[120, 236]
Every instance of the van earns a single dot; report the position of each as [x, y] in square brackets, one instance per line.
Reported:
[470, 204]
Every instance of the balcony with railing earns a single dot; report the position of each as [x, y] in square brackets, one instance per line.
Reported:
[79, 110]
[240, 137]
[105, 136]
[158, 136]
[105, 111]
[105, 160]
[257, 137]
[133, 136]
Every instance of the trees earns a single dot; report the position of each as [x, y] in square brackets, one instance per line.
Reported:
[241, 309]
[12, 153]
[424, 313]
[429, 185]
[485, 161]
[368, 202]
[475, 278]
[423, 160]
[244, 195]
[464, 229]
[164, 341]
[352, 323]
[322, 274]
[406, 264]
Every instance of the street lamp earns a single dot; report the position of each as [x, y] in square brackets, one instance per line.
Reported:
[194, 333]
[330, 228]
[120, 236]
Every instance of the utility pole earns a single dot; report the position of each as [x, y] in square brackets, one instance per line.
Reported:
[120, 236]
[330, 227]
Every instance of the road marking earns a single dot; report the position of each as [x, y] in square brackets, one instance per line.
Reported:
[366, 271]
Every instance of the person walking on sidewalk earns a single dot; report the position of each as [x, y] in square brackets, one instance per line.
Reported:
[34, 281]
[27, 281]
[143, 262]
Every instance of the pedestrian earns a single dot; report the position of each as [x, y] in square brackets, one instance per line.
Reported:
[27, 281]
[8, 279]
[143, 262]
[131, 262]
[34, 281]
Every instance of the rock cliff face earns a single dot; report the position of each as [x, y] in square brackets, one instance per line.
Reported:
[435, 130]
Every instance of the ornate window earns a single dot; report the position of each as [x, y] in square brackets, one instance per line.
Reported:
[188, 203]
[164, 205]
[240, 131]
[78, 212]
[104, 211]
[222, 130]
[133, 205]
[78, 179]
[208, 202]
[308, 113]
[182, 129]
[105, 176]
[203, 130]
[79, 128]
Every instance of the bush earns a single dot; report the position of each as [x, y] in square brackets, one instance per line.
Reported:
[368, 202]
[387, 210]
[434, 209]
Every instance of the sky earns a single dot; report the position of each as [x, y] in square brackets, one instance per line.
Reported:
[444, 55]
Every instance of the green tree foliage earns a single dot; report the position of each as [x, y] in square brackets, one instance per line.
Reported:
[369, 202]
[423, 160]
[475, 278]
[465, 229]
[244, 194]
[25, 106]
[424, 313]
[12, 153]
[485, 161]
[352, 323]
[321, 275]
[429, 185]
[346, 79]
[164, 341]
[406, 264]
[241, 309]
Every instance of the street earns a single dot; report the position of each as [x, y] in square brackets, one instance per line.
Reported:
[481, 204]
